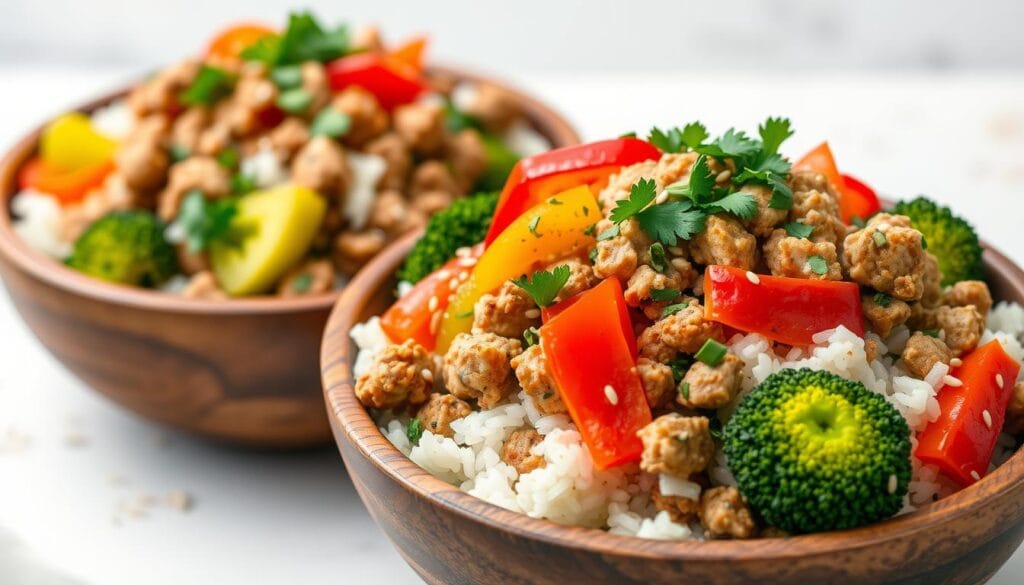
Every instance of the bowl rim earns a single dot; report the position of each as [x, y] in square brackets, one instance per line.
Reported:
[352, 423]
[548, 121]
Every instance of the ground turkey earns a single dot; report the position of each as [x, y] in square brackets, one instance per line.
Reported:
[581, 277]
[476, 367]
[932, 281]
[969, 292]
[724, 514]
[684, 331]
[401, 375]
[888, 256]
[767, 218]
[922, 352]
[533, 374]
[657, 380]
[817, 207]
[677, 445]
[507, 312]
[962, 326]
[883, 313]
[681, 509]
[516, 451]
[709, 387]
[792, 257]
[724, 241]
[619, 256]
[440, 410]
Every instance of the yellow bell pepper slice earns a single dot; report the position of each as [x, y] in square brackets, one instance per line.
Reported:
[546, 232]
[277, 226]
[70, 143]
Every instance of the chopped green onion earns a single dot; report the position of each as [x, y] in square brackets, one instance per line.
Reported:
[711, 353]
[302, 283]
[592, 254]
[883, 300]
[858, 221]
[287, 76]
[684, 390]
[464, 314]
[608, 233]
[931, 332]
[658, 260]
[533, 226]
[531, 336]
[880, 240]
[178, 153]
[330, 122]
[228, 158]
[554, 201]
[242, 184]
[294, 101]
[591, 229]
[414, 431]
[818, 265]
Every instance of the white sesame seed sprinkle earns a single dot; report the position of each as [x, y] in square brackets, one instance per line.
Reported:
[988, 418]
[427, 375]
[952, 381]
[432, 303]
[453, 283]
[467, 262]
[661, 198]
[464, 276]
[956, 362]
[753, 277]
[676, 250]
[892, 484]
[610, 394]
[723, 176]
[435, 322]
[463, 252]
[1000, 381]
[532, 313]
[444, 273]
[975, 475]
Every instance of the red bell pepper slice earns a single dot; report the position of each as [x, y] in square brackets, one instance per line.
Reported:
[592, 360]
[536, 178]
[855, 198]
[413, 315]
[68, 186]
[392, 81]
[961, 441]
[787, 310]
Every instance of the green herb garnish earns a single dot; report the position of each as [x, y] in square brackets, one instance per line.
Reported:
[531, 336]
[545, 285]
[608, 234]
[665, 294]
[205, 222]
[684, 390]
[673, 309]
[303, 40]
[880, 240]
[178, 153]
[883, 300]
[294, 101]
[931, 332]
[818, 265]
[209, 86]
[711, 353]
[641, 194]
[659, 261]
[414, 431]
[330, 122]
[796, 229]
[302, 283]
[287, 76]
[533, 226]
[228, 158]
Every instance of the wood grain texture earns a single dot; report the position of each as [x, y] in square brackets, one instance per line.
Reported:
[450, 537]
[245, 370]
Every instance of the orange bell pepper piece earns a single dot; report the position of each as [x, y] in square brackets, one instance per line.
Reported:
[544, 233]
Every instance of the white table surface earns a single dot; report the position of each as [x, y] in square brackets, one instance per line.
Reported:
[83, 483]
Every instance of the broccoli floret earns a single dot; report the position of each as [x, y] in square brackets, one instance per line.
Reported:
[463, 224]
[127, 247]
[950, 238]
[812, 451]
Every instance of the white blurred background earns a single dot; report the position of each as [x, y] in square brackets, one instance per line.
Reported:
[914, 96]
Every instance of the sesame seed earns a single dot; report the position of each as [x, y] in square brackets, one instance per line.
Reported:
[532, 313]
[435, 322]
[952, 381]
[427, 375]
[453, 283]
[676, 250]
[661, 198]
[443, 274]
[464, 276]
[892, 484]
[432, 303]
[723, 176]
[988, 418]
[942, 443]
[956, 362]
[975, 475]
[463, 252]
[1000, 381]
[610, 394]
[467, 262]
[753, 277]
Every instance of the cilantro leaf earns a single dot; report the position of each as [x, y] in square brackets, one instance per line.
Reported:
[782, 194]
[303, 40]
[773, 133]
[209, 86]
[734, 144]
[545, 285]
[414, 432]
[796, 229]
[658, 260]
[608, 234]
[701, 184]
[673, 309]
[641, 194]
[205, 222]
[693, 135]
[742, 205]
[670, 140]
[669, 222]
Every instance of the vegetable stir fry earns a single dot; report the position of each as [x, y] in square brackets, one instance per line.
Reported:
[693, 337]
[278, 161]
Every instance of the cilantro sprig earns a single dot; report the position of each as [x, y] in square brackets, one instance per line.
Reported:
[305, 39]
[209, 86]
[545, 285]
[205, 222]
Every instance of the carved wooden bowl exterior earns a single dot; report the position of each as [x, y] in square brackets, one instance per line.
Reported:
[245, 370]
[450, 537]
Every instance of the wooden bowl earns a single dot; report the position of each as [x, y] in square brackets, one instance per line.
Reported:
[243, 370]
[448, 536]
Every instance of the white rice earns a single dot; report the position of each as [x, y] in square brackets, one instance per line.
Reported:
[38, 221]
[264, 167]
[367, 169]
[114, 120]
[568, 488]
